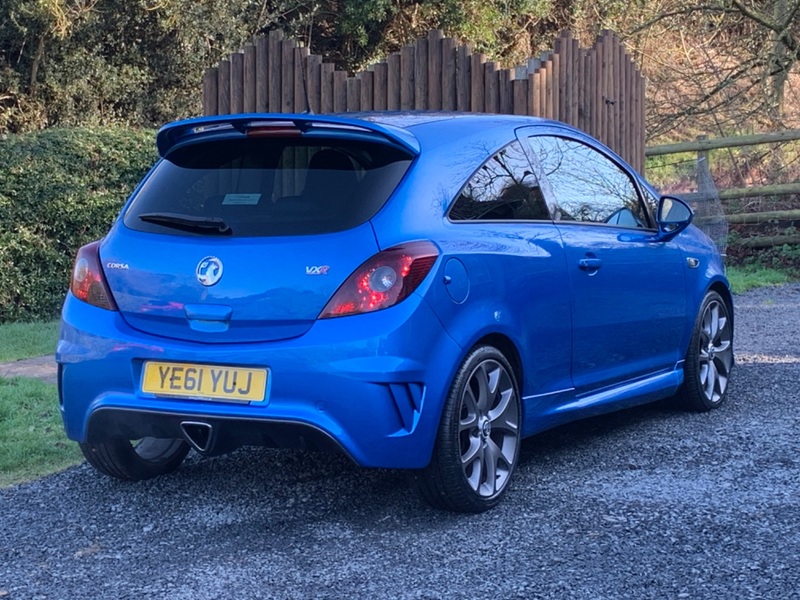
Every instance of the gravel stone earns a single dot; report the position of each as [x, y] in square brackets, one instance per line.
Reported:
[651, 502]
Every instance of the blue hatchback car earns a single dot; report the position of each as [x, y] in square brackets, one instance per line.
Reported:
[417, 291]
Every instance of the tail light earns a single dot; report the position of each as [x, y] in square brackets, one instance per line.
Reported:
[88, 281]
[383, 281]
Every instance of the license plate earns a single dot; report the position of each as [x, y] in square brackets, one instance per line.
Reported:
[204, 382]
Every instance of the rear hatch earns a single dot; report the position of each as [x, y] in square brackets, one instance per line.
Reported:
[244, 233]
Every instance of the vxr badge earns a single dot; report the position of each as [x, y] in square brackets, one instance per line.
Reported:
[323, 270]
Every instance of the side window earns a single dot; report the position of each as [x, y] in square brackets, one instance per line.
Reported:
[503, 189]
[586, 185]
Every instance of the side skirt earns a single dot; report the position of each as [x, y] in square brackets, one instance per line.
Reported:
[626, 395]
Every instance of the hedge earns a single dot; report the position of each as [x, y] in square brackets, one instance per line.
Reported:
[59, 189]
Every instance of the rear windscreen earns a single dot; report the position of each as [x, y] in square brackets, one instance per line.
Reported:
[267, 187]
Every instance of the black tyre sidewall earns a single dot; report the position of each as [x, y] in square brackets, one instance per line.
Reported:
[118, 458]
[692, 393]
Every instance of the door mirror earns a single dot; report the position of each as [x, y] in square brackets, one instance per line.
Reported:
[674, 215]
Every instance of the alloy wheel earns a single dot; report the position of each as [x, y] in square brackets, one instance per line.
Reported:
[715, 351]
[488, 428]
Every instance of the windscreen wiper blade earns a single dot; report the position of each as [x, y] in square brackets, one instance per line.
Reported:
[212, 225]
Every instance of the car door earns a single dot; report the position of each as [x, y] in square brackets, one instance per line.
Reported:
[628, 290]
[501, 228]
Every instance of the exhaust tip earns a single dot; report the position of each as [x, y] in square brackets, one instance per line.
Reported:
[198, 435]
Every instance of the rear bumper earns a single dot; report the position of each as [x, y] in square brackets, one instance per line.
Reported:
[370, 385]
[209, 435]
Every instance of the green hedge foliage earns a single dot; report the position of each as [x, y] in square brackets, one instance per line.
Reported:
[59, 189]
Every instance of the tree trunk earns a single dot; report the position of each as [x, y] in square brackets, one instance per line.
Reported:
[37, 60]
[780, 62]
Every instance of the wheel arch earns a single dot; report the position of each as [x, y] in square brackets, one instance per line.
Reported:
[509, 349]
[725, 292]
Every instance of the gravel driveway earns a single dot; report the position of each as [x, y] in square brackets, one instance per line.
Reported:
[648, 503]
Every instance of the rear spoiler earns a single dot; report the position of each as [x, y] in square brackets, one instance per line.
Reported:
[306, 124]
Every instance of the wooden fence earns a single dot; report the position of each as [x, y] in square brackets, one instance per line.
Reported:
[599, 89]
[783, 219]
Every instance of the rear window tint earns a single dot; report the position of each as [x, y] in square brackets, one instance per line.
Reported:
[269, 187]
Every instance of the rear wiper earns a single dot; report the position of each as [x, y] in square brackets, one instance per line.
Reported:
[213, 225]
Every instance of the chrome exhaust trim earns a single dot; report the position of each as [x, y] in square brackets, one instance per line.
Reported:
[198, 434]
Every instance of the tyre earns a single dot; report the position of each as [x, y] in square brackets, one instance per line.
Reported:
[709, 359]
[477, 445]
[148, 458]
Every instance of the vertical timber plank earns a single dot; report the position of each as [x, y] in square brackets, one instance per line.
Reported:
[353, 94]
[478, 84]
[590, 81]
[421, 75]
[435, 69]
[549, 87]
[543, 75]
[313, 82]
[237, 83]
[610, 94]
[210, 106]
[602, 113]
[641, 117]
[224, 88]
[563, 52]
[623, 122]
[339, 91]
[326, 87]
[301, 103]
[582, 89]
[449, 70]
[554, 99]
[463, 78]
[520, 96]
[504, 78]
[249, 79]
[491, 95]
[380, 86]
[367, 79]
[597, 93]
[534, 82]
[575, 84]
[262, 74]
[393, 81]
[407, 60]
[274, 57]
[287, 76]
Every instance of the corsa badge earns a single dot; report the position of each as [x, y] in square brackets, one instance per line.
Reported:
[209, 270]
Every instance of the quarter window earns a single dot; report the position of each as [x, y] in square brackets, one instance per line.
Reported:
[503, 189]
[586, 185]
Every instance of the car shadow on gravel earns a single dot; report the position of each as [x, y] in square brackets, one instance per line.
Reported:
[275, 483]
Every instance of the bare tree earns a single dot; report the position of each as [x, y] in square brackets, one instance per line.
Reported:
[721, 65]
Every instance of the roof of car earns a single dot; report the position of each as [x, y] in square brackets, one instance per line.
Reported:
[412, 119]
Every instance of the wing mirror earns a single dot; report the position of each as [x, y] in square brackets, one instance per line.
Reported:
[674, 215]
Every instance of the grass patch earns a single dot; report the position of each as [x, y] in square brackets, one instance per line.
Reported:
[32, 439]
[749, 277]
[25, 340]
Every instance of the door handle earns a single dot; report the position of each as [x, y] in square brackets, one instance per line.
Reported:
[590, 264]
